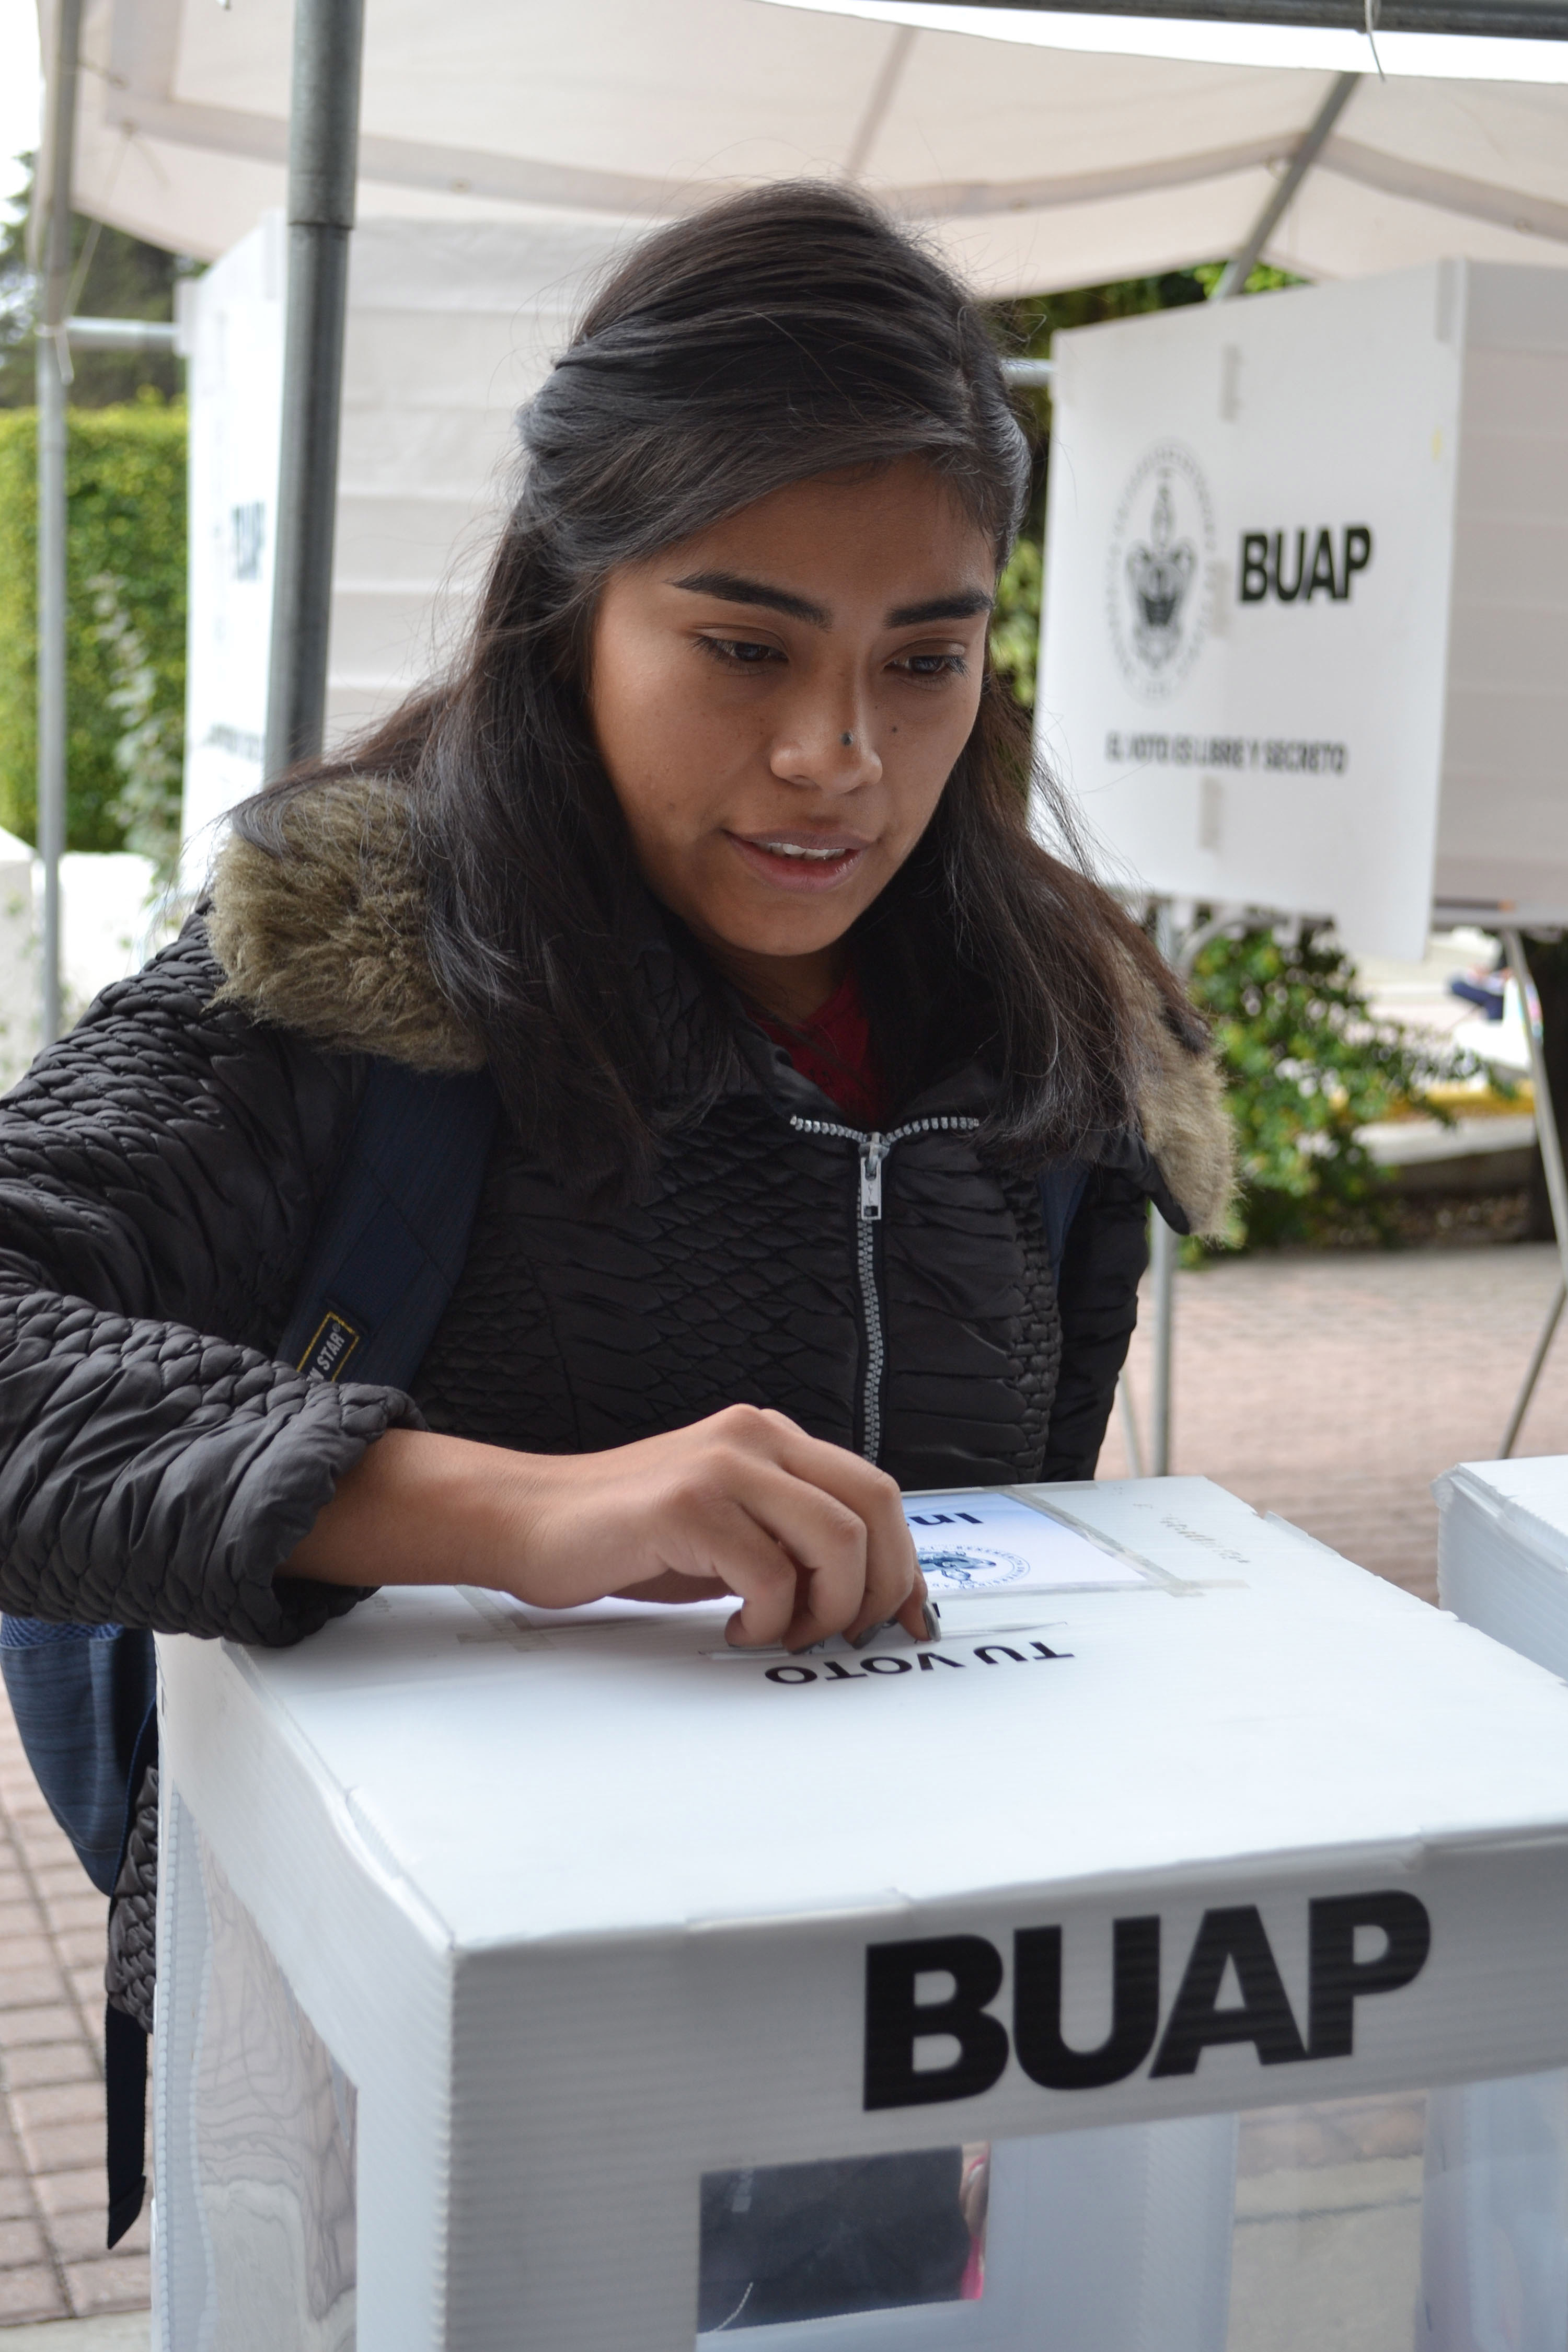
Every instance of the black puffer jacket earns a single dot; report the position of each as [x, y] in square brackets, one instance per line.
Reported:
[161, 1169]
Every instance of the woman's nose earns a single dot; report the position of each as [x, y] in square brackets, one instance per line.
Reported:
[830, 749]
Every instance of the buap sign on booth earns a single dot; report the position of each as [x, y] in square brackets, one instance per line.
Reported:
[1305, 555]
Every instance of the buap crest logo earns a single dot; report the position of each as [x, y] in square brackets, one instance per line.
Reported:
[971, 1568]
[1157, 587]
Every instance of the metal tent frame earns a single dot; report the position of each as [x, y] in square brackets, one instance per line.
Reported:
[322, 168]
[1536, 20]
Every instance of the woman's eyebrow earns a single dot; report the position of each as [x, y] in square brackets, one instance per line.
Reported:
[734, 590]
[961, 606]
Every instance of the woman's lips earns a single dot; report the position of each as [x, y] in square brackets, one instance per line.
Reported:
[800, 861]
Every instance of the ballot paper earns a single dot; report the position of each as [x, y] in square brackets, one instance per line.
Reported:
[986, 1542]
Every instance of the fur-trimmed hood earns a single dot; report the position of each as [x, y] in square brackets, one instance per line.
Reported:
[331, 944]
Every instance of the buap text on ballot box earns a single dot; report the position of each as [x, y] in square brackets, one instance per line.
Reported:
[579, 1984]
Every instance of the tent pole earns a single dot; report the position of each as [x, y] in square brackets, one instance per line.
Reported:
[1163, 1245]
[1163, 1269]
[1239, 268]
[1537, 1362]
[323, 150]
[52, 361]
[1550, 1143]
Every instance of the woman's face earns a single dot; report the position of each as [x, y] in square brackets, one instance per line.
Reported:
[779, 701]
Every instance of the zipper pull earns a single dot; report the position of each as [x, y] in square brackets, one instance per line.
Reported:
[873, 1151]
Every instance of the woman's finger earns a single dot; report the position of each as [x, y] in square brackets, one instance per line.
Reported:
[726, 1542]
[915, 1615]
[824, 1542]
[894, 1587]
[811, 1538]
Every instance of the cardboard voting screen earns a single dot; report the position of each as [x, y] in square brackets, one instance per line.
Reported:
[1304, 556]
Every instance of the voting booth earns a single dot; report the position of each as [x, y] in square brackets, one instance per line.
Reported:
[1087, 1977]
[1301, 632]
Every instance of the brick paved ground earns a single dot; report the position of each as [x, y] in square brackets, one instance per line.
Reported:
[53, 2263]
[1333, 1388]
[1330, 1388]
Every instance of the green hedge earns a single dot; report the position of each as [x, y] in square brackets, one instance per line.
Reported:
[125, 474]
[1015, 621]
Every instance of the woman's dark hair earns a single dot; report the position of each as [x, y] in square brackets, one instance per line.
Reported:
[784, 334]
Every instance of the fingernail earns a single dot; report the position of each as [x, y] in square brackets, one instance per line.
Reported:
[858, 1641]
[934, 1623]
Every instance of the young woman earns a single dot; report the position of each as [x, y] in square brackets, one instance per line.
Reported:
[714, 851]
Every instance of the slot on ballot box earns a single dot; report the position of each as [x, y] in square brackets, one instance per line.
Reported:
[1170, 1954]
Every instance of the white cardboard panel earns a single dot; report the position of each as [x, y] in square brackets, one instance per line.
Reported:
[1504, 650]
[1524, 388]
[1351, 746]
[1517, 310]
[1514, 476]
[1502, 1556]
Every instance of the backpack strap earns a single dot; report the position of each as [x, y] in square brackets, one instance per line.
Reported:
[80, 1696]
[394, 1236]
[124, 2038]
[1061, 1190]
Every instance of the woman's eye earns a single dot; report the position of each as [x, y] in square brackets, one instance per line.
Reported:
[739, 653]
[933, 665]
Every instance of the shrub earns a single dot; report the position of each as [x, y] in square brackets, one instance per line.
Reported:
[125, 666]
[1306, 1065]
[1015, 621]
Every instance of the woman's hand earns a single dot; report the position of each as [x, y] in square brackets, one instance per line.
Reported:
[812, 1538]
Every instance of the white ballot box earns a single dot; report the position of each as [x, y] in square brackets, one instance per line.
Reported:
[1087, 1980]
[1503, 1553]
[1496, 2205]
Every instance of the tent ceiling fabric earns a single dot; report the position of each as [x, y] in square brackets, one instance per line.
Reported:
[1488, 19]
[1038, 167]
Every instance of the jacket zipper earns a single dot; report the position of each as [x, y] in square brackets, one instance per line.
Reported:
[873, 1150]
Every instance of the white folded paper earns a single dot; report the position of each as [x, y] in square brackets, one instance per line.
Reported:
[974, 1543]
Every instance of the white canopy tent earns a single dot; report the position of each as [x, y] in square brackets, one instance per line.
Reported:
[1047, 149]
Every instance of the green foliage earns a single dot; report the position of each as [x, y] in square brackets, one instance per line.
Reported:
[1306, 1065]
[1015, 621]
[125, 478]
[1262, 278]
[148, 751]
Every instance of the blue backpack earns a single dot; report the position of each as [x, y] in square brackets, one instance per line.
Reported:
[384, 1260]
